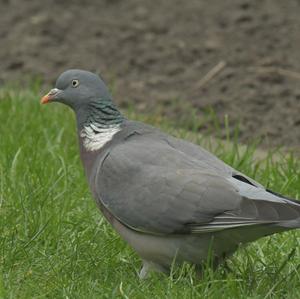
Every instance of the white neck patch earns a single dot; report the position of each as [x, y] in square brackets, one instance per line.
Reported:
[94, 138]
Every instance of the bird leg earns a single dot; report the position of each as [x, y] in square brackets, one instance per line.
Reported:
[149, 266]
[145, 270]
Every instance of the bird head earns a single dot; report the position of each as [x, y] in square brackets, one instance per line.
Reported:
[76, 88]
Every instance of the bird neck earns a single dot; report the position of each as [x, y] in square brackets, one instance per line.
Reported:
[99, 114]
[97, 124]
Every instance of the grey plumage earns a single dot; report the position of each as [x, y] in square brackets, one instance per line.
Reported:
[166, 197]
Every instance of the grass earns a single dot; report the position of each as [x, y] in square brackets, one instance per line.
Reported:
[55, 244]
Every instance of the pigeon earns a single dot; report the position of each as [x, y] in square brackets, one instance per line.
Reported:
[170, 199]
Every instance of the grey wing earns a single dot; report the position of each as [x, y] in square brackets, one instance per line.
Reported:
[152, 187]
[193, 150]
[212, 162]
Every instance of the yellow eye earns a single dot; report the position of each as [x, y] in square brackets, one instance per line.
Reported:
[75, 83]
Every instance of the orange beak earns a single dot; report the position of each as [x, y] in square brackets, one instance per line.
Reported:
[49, 96]
[45, 99]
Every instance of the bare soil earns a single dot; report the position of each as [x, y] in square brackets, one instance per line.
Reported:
[240, 57]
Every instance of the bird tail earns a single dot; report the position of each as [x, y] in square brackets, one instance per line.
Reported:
[294, 207]
[294, 222]
[288, 214]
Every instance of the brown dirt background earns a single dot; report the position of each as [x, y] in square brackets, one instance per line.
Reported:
[157, 54]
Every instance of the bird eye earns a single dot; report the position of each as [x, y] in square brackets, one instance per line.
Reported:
[75, 83]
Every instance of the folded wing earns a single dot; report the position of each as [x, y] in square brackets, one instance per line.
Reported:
[152, 186]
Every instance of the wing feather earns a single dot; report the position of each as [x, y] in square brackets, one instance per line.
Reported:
[153, 185]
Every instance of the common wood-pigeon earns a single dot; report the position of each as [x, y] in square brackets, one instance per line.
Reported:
[171, 200]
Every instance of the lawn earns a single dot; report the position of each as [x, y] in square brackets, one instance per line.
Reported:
[55, 244]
